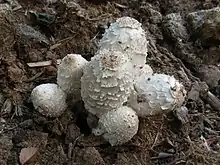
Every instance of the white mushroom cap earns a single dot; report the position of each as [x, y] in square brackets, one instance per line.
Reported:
[156, 94]
[69, 74]
[145, 71]
[106, 82]
[118, 126]
[127, 36]
[49, 99]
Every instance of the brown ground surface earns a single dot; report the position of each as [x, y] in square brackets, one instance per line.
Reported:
[76, 28]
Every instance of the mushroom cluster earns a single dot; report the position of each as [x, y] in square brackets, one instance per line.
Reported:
[116, 85]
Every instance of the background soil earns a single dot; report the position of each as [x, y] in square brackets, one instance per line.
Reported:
[45, 30]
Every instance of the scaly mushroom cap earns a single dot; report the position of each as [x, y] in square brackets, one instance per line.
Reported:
[156, 94]
[69, 74]
[106, 82]
[127, 36]
[118, 126]
[49, 99]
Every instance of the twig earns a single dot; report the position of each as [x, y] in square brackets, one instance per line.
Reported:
[177, 161]
[193, 78]
[34, 77]
[205, 94]
[204, 143]
[9, 129]
[103, 16]
[75, 141]
[156, 138]
[120, 5]
[137, 160]
[61, 42]
[70, 150]
[55, 46]
[162, 155]
[212, 100]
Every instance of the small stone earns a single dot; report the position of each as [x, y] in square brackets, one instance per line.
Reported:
[35, 55]
[210, 74]
[89, 156]
[173, 27]
[205, 25]
[15, 73]
[24, 138]
[27, 123]
[154, 15]
[28, 35]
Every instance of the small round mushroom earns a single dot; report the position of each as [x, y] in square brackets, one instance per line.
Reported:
[127, 36]
[156, 94]
[106, 82]
[49, 99]
[117, 126]
[69, 74]
[145, 71]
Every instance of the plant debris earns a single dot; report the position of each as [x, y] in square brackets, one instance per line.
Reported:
[27, 154]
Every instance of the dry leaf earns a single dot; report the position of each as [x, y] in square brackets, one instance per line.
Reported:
[26, 154]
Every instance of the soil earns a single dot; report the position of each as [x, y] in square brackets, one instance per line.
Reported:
[50, 29]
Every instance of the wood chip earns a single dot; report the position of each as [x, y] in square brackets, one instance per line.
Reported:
[42, 63]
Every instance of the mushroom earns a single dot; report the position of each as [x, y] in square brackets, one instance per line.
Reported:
[127, 36]
[156, 94]
[106, 82]
[69, 74]
[117, 126]
[145, 71]
[49, 99]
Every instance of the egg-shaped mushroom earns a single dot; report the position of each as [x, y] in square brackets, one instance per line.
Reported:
[156, 94]
[117, 126]
[127, 36]
[144, 71]
[69, 74]
[49, 99]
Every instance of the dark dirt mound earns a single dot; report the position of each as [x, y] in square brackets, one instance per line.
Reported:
[38, 31]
